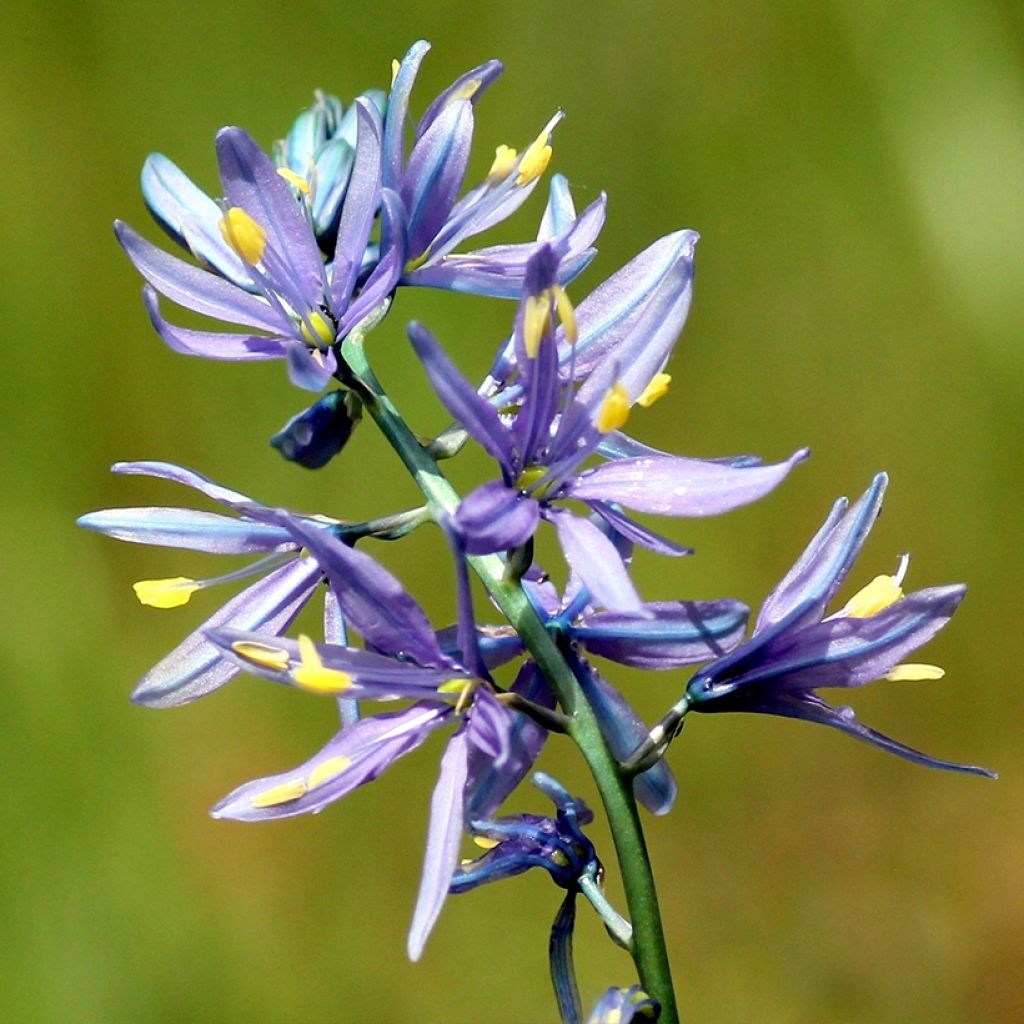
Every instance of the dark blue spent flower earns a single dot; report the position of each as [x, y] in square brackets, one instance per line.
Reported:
[435, 221]
[314, 436]
[624, 1006]
[268, 274]
[541, 446]
[796, 649]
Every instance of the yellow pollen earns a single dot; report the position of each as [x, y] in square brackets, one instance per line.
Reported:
[261, 654]
[535, 160]
[504, 162]
[485, 842]
[326, 771]
[614, 409]
[878, 595]
[658, 388]
[395, 68]
[452, 686]
[297, 180]
[322, 331]
[282, 793]
[560, 858]
[566, 313]
[244, 235]
[913, 673]
[172, 593]
[311, 675]
[535, 320]
[529, 477]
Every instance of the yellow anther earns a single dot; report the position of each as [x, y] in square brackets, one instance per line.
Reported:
[535, 159]
[536, 314]
[316, 329]
[560, 858]
[913, 673]
[566, 313]
[530, 476]
[878, 595]
[614, 409]
[657, 388]
[485, 842]
[263, 655]
[504, 162]
[244, 235]
[327, 770]
[171, 593]
[313, 676]
[297, 180]
[467, 92]
[282, 793]
[395, 68]
[613, 1016]
[452, 686]
[466, 696]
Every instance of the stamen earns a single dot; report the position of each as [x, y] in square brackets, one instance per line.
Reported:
[485, 842]
[312, 676]
[327, 770]
[296, 180]
[535, 160]
[878, 595]
[559, 857]
[504, 162]
[395, 68]
[529, 477]
[914, 673]
[536, 313]
[263, 655]
[244, 235]
[170, 593]
[283, 793]
[566, 312]
[467, 92]
[317, 330]
[452, 686]
[614, 409]
[657, 388]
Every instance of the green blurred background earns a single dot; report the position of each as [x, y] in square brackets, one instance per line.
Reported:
[855, 169]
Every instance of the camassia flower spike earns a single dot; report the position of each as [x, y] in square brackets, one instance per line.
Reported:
[553, 432]
[795, 649]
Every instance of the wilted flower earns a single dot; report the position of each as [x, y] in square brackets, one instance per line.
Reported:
[624, 1006]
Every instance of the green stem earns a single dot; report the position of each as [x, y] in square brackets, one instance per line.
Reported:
[616, 790]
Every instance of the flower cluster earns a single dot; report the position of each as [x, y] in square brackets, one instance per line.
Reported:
[305, 252]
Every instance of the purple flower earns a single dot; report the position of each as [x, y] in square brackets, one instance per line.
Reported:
[542, 446]
[268, 272]
[795, 649]
[287, 580]
[490, 751]
[435, 221]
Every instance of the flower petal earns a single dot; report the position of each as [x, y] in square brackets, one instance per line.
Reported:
[397, 112]
[495, 517]
[186, 477]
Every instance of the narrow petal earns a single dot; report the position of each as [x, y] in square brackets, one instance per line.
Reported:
[398, 111]
[356, 755]
[211, 344]
[637, 534]
[193, 288]
[186, 477]
[251, 182]
[196, 667]
[374, 296]
[308, 368]
[819, 572]
[444, 836]
[563, 973]
[187, 528]
[469, 86]
[333, 172]
[372, 599]
[560, 211]
[361, 202]
[494, 517]
[677, 633]
[594, 557]
[460, 398]
[190, 217]
[655, 788]
[677, 486]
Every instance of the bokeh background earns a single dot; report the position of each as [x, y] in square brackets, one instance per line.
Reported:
[855, 169]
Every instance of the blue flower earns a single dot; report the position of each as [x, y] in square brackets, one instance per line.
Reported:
[795, 648]
[543, 445]
[269, 274]
[435, 221]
